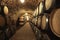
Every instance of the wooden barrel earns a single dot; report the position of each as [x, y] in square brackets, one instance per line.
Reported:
[2, 21]
[41, 7]
[39, 22]
[49, 5]
[4, 9]
[54, 22]
[44, 22]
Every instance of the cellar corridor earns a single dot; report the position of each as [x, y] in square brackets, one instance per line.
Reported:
[24, 33]
[29, 19]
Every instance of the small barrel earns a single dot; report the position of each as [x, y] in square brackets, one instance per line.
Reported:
[39, 22]
[40, 7]
[44, 22]
[49, 4]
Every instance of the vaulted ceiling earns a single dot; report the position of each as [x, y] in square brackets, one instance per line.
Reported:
[16, 4]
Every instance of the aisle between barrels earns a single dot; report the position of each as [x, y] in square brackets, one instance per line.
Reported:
[24, 33]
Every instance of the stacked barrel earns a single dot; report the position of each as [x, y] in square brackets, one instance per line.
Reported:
[7, 25]
[48, 18]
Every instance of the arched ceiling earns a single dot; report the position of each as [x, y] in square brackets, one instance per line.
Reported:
[16, 4]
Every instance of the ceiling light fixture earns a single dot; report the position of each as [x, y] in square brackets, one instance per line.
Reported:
[26, 14]
[22, 1]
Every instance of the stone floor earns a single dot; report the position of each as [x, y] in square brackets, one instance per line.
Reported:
[25, 33]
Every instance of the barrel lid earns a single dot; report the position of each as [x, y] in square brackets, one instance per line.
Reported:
[44, 22]
[48, 4]
[55, 22]
[40, 7]
[5, 10]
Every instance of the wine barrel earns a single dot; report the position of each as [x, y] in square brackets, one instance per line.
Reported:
[3, 20]
[54, 22]
[39, 22]
[3, 10]
[44, 22]
[6, 10]
[49, 5]
[41, 7]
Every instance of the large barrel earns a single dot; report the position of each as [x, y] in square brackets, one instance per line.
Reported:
[54, 22]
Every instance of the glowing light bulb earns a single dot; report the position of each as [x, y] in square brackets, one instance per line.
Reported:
[22, 1]
[26, 14]
[47, 20]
